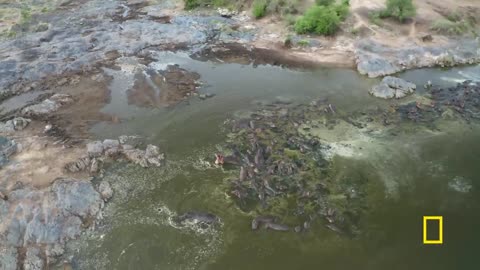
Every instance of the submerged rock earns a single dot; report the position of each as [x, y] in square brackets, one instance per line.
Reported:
[47, 106]
[392, 87]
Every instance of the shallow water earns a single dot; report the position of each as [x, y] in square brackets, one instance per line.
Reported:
[408, 177]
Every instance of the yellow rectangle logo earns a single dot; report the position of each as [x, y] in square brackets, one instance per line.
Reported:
[438, 241]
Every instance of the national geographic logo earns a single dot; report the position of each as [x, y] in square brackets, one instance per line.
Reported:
[432, 230]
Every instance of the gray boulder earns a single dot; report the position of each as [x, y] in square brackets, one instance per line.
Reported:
[48, 216]
[226, 13]
[392, 87]
[150, 157]
[15, 124]
[112, 147]
[95, 149]
[105, 190]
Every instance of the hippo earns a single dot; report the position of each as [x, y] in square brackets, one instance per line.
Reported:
[259, 158]
[268, 222]
[220, 159]
[258, 221]
[243, 173]
[276, 226]
[198, 217]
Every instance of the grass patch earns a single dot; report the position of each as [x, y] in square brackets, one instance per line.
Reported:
[303, 43]
[375, 18]
[283, 7]
[25, 15]
[448, 27]
[8, 34]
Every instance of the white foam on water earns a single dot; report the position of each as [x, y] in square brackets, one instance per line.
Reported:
[451, 79]
[469, 75]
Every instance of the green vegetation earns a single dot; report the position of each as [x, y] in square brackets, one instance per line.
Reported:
[322, 19]
[288, 41]
[283, 7]
[375, 18]
[290, 19]
[259, 8]
[8, 34]
[191, 4]
[453, 26]
[342, 10]
[455, 23]
[399, 9]
[25, 15]
[324, 2]
[303, 43]
[355, 31]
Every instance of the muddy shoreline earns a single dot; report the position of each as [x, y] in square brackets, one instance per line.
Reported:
[65, 66]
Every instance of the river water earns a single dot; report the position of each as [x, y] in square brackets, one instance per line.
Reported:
[410, 175]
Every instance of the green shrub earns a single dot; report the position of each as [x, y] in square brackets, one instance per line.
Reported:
[283, 7]
[288, 41]
[342, 10]
[324, 2]
[448, 27]
[290, 19]
[191, 4]
[375, 18]
[259, 8]
[25, 15]
[399, 9]
[303, 43]
[318, 19]
[454, 16]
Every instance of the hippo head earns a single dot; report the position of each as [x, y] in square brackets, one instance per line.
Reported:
[219, 159]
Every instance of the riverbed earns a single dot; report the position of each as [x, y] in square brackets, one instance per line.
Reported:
[409, 175]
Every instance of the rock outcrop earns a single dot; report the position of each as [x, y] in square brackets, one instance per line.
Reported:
[47, 106]
[98, 151]
[392, 87]
[15, 124]
[7, 148]
[35, 223]
[375, 60]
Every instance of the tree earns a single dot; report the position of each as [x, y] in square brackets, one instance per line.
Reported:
[400, 9]
[321, 20]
